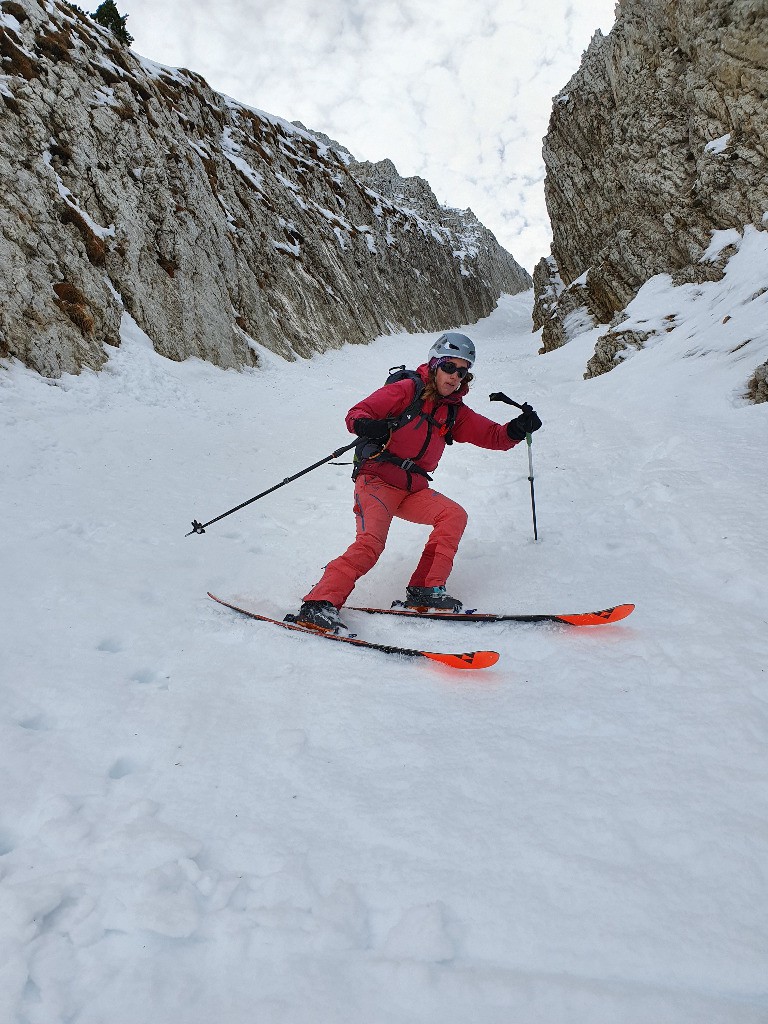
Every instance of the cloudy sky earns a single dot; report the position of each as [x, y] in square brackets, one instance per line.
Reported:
[458, 91]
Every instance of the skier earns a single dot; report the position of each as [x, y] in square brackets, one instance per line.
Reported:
[403, 435]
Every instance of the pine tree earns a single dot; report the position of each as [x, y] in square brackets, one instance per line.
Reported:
[108, 15]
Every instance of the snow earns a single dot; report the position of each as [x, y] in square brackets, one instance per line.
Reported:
[367, 232]
[288, 130]
[718, 146]
[231, 151]
[206, 818]
[7, 20]
[720, 240]
[71, 201]
[723, 322]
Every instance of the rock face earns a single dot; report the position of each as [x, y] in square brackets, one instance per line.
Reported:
[219, 228]
[757, 386]
[659, 139]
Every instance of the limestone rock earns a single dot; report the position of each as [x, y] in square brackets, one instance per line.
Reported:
[659, 139]
[757, 387]
[219, 228]
[612, 344]
[548, 287]
[561, 312]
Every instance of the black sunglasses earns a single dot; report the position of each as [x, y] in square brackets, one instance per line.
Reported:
[451, 368]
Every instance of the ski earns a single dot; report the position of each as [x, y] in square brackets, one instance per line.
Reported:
[467, 660]
[598, 618]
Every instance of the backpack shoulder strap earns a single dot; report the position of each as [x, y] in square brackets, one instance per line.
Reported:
[398, 373]
[453, 412]
[414, 408]
[367, 448]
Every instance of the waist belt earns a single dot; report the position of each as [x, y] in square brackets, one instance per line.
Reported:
[408, 465]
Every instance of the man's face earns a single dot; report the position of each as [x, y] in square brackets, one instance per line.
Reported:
[446, 382]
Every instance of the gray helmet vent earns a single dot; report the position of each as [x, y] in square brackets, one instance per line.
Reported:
[453, 344]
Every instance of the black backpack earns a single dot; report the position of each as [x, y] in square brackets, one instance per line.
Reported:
[372, 448]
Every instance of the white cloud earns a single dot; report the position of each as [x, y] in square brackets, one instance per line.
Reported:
[458, 93]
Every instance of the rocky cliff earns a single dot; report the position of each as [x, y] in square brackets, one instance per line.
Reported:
[658, 140]
[219, 228]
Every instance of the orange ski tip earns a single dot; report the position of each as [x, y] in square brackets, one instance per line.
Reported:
[621, 611]
[473, 659]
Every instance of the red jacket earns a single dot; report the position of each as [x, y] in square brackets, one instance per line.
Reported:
[407, 442]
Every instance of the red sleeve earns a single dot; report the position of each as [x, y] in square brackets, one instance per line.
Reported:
[388, 401]
[472, 428]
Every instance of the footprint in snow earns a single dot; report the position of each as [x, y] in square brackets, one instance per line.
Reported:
[423, 933]
[111, 645]
[7, 842]
[292, 741]
[146, 676]
[123, 766]
[36, 723]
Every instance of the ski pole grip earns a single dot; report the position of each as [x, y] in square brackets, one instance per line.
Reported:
[499, 396]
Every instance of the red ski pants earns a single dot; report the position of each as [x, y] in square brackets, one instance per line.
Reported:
[376, 504]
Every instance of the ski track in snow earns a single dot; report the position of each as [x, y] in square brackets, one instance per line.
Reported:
[205, 818]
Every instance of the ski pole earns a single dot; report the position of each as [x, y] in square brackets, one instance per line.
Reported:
[499, 396]
[530, 478]
[200, 527]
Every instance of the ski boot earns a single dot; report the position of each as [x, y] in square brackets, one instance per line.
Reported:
[431, 598]
[320, 615]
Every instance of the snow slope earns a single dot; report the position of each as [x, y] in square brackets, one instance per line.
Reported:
[204, 818]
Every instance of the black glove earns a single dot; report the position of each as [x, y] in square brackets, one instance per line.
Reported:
[378, 429]
[523, 424]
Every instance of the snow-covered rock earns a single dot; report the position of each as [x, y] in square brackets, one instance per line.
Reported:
[656, 145]
[219, 228]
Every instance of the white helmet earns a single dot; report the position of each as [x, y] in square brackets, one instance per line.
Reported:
[459, 346]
